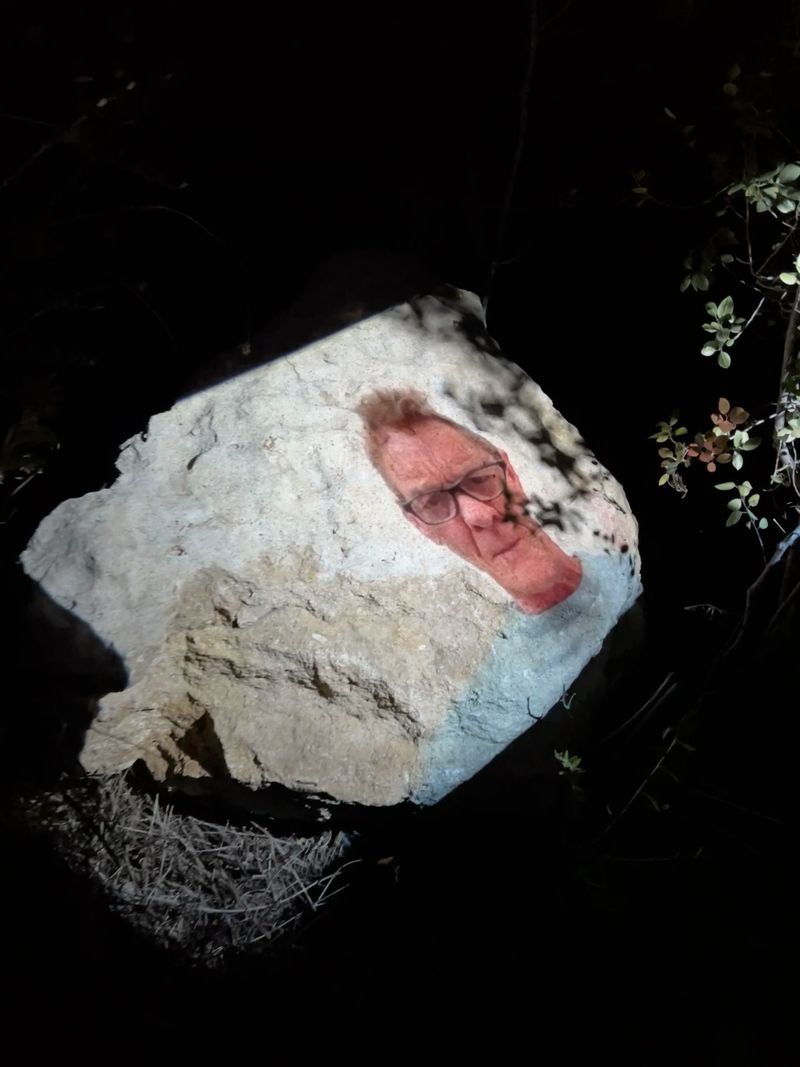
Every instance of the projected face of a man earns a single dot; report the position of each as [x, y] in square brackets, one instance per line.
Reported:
[462, 493]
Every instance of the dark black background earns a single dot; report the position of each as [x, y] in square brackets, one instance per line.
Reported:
[140, 239]
[144, 237]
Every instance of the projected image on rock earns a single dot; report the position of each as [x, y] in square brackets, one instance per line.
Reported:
[357, 571]
[460, 491]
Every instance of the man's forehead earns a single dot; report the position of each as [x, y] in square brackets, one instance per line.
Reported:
[430, 453]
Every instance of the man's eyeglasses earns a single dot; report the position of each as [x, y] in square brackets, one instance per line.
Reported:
[484, 484]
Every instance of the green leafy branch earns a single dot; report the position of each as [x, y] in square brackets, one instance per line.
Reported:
[569, 764]
[775, 195]
[772, 191]
[725, 442]
[725, 327]
[700, 264]
[743, 503]
[571, 769]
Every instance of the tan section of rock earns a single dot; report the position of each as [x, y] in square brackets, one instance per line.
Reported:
[294, 683]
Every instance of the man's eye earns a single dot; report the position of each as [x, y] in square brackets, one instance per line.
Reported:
[434, 507]
[435, 500]
[483, 483]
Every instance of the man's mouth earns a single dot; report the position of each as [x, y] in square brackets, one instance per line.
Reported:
[507, 549]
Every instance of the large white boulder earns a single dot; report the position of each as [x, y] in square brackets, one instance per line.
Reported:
[282, 622]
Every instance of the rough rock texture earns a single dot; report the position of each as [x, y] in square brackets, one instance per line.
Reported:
[278, 618]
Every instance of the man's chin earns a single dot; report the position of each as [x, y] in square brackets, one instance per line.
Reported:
[534, 603]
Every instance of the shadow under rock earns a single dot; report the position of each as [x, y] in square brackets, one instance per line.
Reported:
[56, 669]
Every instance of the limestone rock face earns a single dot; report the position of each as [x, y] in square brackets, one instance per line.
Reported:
[279, 618]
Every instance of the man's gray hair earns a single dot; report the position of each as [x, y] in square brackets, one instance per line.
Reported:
[386, 410]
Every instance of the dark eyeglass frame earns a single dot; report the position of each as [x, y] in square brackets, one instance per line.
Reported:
[453, 489]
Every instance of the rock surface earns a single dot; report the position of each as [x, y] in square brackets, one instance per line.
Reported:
[279, 620]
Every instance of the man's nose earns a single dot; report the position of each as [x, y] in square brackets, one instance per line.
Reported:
[478, 512]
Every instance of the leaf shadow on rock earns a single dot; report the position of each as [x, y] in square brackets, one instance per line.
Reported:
[505, 401]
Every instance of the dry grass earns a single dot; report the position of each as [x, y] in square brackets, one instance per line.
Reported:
[207, 891]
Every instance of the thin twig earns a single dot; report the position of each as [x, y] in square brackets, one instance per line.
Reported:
[783, 604]
[758, 308]
[67, 134]
[518, 153]
[789, 341]
[650, 705]
[640, 789]
[778, 248]
[780, 551]
[555, 17]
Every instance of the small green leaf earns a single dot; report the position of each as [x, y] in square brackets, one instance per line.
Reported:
[753, 500]
[762, 524]
[680, 431]
[725, 309]
[750, 444]
[708, 350]
[687, 281]
[663, 479]
[733, 518]
[711, 308]
[745, 488]
[789, 173]
[737, 462]
[788, 277]
[725, 485]
[700, 282]
[734, 505]
[724, 360]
